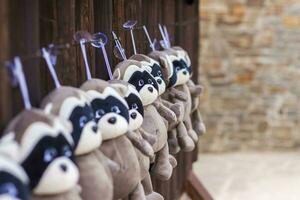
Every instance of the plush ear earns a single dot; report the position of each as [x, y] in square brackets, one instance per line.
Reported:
[48, 108]
[8, 146]
[130, 70]
[117, 74]
[122, 89]
[146, 66]
[166, 60]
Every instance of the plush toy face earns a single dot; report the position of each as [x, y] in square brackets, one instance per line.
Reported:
[136, 109]
[143, 82]
[13, 181]
[154, 68]
[46, 152]
[78, 110]
[111, 112]
[184, 58]
[180, 74]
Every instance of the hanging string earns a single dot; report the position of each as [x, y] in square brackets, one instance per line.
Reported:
[16, 69]
[47, 56]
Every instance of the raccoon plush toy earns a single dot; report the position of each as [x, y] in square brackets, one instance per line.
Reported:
[112, 116]
[176, 75]
[73, 104]
[14, 183]
[134, 73]
[136, 116]
[171, 112]
[195, 90]
[46, 154]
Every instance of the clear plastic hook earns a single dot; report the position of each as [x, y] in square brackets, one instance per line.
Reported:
[129, 25]
[149, 39]
[16, 70]
[119, 51]
[46, 53]
[99, 40]
[165, 41]
[83, 37]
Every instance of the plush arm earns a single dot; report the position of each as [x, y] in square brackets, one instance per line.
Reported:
[140, 143]
[147, 136]
[174, 93]
[165, 112]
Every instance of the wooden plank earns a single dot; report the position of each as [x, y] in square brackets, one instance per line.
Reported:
[5, 102]
[103, 23]
[84, 20]
[195, 189]
[24, 40]
[65, 29]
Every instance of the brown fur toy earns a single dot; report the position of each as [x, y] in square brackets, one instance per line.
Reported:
[167, 110]
[180, 137]
[73, 104]
[112, 117]
[134, 73]
[144, 150]
[195, 90]
[46, 154]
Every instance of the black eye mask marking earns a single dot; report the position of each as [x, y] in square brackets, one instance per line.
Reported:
[189, 68]
[43, 154]
[178, 65]
[140, 79]
[108, 105]
[156, 71]
[134, 102]
[12, 186]
[79, 117]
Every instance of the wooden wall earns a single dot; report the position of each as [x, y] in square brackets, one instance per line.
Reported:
[28, 25]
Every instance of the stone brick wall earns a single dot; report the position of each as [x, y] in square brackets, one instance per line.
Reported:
[250, 67]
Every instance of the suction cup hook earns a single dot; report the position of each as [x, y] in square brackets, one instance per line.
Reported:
[99, 40]
[15, 68]
[83, 37]
[129, 25]
[50, 55]
[119, 51]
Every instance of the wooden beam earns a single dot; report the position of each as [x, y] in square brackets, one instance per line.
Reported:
[195, 189]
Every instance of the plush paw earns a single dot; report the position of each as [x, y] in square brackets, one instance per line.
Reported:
[199, 127]
[178, 109]
[173, 161]
[154, 196]
[186, 143]
[173, 146]
[162, 170]
[193, 135]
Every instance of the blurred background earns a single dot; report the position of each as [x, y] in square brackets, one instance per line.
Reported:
[250, 67]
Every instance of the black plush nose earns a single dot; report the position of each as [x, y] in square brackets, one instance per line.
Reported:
[159, 81]
[150, 89]
[95, 128]
[63, 167]
[133, 115]
[112, 120]
[184, 72]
